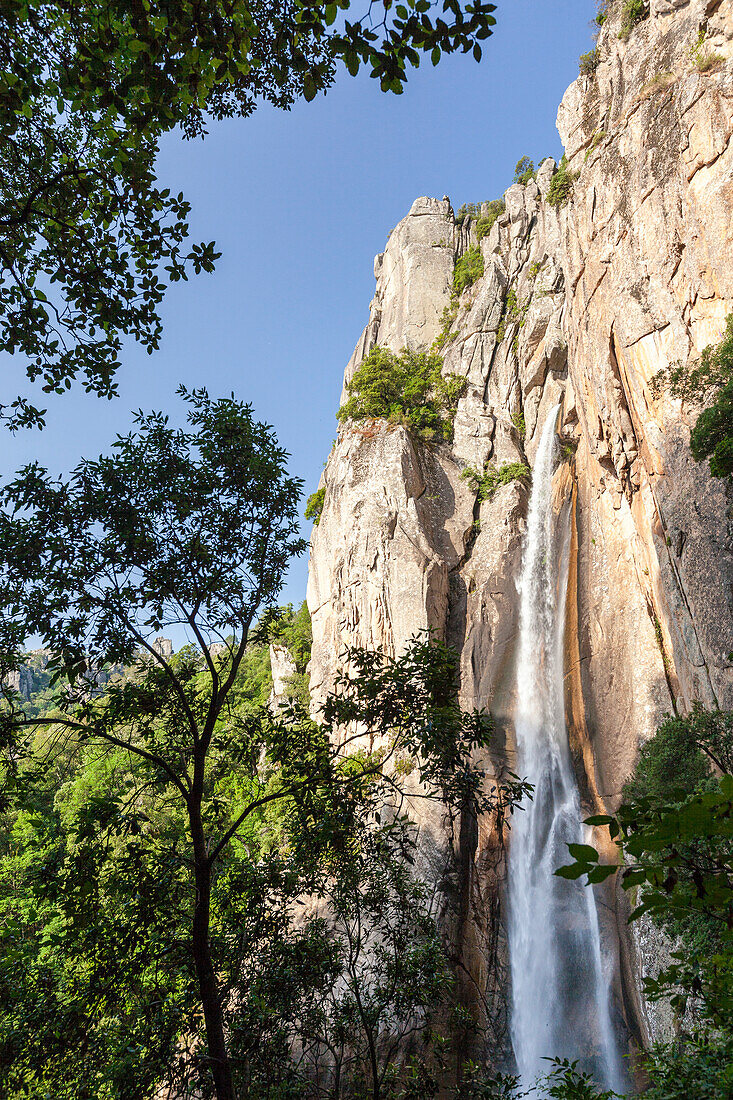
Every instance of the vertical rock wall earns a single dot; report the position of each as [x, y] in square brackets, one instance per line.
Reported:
[582, 303]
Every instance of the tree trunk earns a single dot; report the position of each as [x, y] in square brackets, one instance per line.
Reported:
[208, 989]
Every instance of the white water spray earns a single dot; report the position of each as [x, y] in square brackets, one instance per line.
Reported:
[560, 987]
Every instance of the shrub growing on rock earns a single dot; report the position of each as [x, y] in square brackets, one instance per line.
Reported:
[524, 171]
[486, 483]
[561, 185]
[314, 505]
[485, 223]
[467, 210]
[407, 389]
[588, 62]
[709, 382]
[632, 13]
[469, 268]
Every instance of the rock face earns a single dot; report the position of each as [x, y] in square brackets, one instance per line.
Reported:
[31, 676]
[283, 670]
[580, 304]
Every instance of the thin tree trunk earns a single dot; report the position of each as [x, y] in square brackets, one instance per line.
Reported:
[208, 989]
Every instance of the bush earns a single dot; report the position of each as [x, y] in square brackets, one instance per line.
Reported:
[674, 838]
[314, 505]
[408, 389]
[672, 766]
[658, 83]
[674, 756]
[485, 223]
[468, 210]
[703, 57]
[588, 62]
[469, 268]
[524, 171]
[486, 483]
[712, 436]
[450, 312]
[561, 185]
[293, 630]
[709, 380]
[632, 13]
[514, 309]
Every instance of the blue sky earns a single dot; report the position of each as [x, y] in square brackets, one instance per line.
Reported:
[299, 203]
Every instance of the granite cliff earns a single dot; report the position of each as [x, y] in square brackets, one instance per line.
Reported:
[582, 303]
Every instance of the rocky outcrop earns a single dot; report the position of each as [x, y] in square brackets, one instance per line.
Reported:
[580, 304]
[30, 676]
[283, 670]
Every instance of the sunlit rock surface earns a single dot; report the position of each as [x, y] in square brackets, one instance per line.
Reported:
[584, 303]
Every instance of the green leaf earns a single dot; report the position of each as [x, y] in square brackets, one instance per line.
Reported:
[602, 872]
[583, 852]
[572, 871]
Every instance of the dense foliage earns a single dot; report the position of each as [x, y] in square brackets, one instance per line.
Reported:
[190, 528]
[100, 997]
[675, 834]
[561, 184]
[469, 267]
[90, 240]
[408, 389]
[159, 831]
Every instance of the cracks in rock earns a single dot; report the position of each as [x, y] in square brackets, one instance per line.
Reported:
[682, 592]
[710, 163]
[576, 280]
[626, 423]
[473, 534]
[668, 660]
[649, 332]
[667, 663]
[602, 276]
[680, 249]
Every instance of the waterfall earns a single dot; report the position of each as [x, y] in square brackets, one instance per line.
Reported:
[560, 985]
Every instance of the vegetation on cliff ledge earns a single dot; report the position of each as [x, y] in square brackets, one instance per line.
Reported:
[588, 63]
[632, 12]
[707, 382]
[486, 483]
[561, 184]
[314, 505]
[469, 267]
[408, 389]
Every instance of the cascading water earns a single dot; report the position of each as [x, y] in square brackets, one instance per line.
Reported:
[560, 990]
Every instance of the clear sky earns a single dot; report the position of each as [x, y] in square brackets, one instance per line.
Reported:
[299, 203]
